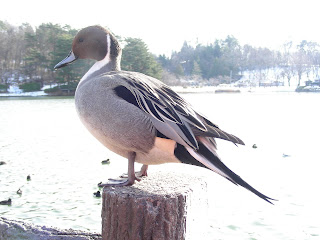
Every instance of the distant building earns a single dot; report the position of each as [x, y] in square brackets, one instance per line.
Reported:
[313, 83]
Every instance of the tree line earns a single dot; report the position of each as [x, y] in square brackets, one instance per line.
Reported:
[225, 61]
[29, 54]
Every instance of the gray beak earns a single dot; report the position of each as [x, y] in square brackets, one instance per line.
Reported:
[69, 59]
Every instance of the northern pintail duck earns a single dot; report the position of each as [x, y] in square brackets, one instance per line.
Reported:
[139, 117]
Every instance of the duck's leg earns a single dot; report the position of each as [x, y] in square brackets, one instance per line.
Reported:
[126, 181]
[141, 173]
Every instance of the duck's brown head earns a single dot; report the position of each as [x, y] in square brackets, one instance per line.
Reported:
[92, 42]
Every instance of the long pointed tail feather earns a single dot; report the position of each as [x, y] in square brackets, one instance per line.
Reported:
[204, 157]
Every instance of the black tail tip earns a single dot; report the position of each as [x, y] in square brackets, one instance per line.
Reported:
[269, 200]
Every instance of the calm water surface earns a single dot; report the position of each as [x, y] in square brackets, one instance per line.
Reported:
[43, 138]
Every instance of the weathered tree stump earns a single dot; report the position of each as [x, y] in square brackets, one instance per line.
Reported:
[162, 206]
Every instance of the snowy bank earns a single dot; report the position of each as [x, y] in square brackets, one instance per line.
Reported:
[230, 88]
[15, 91]
[24, 94]
[204, 89]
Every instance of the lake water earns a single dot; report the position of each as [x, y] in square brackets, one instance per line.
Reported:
[43, 138]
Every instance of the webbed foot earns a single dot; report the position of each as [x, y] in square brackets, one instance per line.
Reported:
[116, 182]
[129, 180]
[140, 174]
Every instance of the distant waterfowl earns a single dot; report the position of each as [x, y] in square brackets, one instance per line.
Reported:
[19, 191]
[97, 194]
[139, 117]
[6, 202]
[2, 163]
[254, 146]
[28, 178]
[107, 161]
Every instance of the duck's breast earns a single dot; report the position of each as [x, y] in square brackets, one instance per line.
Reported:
[117, 124]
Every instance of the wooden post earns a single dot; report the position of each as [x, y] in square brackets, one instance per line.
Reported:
[163, 206]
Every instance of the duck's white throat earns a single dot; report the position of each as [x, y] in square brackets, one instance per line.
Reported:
[98, 65]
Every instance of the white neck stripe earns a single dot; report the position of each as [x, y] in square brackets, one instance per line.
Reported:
[98, 65]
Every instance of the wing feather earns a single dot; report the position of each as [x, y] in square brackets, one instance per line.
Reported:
[169, 110]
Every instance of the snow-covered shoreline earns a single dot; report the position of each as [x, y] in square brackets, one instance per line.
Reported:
[24, 94]
[15, 91]
[229, 89]
[180, 89]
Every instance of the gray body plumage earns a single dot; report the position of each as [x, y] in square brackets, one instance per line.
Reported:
[100, 113]
[139, 117]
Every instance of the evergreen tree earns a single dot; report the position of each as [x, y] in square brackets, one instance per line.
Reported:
[178, 71]
[32, 58]
[196, 70]
[136, 57]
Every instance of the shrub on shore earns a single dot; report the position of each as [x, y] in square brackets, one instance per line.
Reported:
[30, 87]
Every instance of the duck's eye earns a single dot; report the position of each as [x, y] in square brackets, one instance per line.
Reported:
[81, 39]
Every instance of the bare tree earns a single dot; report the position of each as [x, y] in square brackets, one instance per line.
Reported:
[286, 62]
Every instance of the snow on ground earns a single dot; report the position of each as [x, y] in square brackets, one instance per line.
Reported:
[22, 94]
[15, 91]
[179, 89]
[212, 89]
[272, 75]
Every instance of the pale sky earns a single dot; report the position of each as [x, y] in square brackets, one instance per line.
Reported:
[164, 25]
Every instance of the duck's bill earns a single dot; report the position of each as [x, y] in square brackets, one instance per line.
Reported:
[69, 59]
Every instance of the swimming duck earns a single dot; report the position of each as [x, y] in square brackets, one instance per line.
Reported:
[139, 117]
[6, 202]
[19, 191]
[107, 161]
[97, 194]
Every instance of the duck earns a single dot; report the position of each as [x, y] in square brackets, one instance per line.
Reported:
[6, 202]
[28, 178]
[107, 161]
[285, 155]
[19, 191]
[139, 117]
[97, 194]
